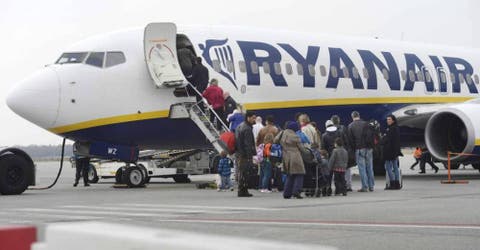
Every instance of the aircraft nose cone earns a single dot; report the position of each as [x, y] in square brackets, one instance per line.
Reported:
[37, 98]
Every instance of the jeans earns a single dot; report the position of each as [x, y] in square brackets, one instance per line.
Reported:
[225, 182]
[365, 167]
[293, 185]
[348, 178]
[391, 166]
[265, 174]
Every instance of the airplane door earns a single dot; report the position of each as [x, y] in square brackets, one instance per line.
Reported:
[161, 55]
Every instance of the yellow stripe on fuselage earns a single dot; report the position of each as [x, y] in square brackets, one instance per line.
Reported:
[110, 120]
[477, 142]
[263, 105]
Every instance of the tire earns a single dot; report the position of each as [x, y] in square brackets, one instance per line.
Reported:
[452, 165]
[181, 178]
[92, 174]
[146, 178]
[476, 166]
[15, 174]
[119, 176]
[134, 177]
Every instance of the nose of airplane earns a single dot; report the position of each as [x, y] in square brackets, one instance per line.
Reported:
[37, 98]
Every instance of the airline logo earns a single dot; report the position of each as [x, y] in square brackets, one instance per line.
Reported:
[432, 71]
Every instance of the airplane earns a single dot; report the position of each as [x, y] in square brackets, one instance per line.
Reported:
[120, 92]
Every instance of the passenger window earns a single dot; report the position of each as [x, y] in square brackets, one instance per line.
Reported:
[323, 70]
[404, 75]
[114, 58]
[96, 59]
[477, 80]
[356, 75]
[216, 65]
[230, 66]
[411, 75]
[72, 58]
[242, 66]
[469, 79]
[365, 73]
[254, 67]
[333, 71]
[266, 67]
[300, 69]
[461, 77]
[289, 68]
[311, 70]
[428, 77]
[277, 68]
[443, 77]
[420, 76]
[386, 76]
[346, 74]
[452, 77]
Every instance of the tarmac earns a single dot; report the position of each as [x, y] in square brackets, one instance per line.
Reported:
[425, 214]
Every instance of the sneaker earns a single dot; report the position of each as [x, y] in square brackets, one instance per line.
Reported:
[370, 189]
[75, 184]
[219, 190]
[267, 191]
[86, 185]
[362, 190]
[349, 190]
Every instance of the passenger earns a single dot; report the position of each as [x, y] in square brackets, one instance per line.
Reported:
[338, 163]
[186, 59]
[326, 187]
[328, 138]
[199, 78]
[225, 166]
[342, 130]
[309, 130]
[257, 127]
[417, 154]
[214, 96]
[426, 158]
[292, 160]
[245, 150]
[82, 164]
[391, 150]
[263, 154]
[235, 118]
[269, 128]
[363, 152]
[230, 104]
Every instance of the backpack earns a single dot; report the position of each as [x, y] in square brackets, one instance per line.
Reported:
[369, 135]
[275, 152]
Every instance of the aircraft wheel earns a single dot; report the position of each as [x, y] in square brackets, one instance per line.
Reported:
[92, 174]
[133, 177]
[452, 165]
[14, 171]
[119, 176]
[181, 178]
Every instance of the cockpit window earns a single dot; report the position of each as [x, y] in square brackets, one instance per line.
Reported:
[95, 59]
[114, 58]
[72, 57]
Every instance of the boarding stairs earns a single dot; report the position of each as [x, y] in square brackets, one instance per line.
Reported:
[201, 117]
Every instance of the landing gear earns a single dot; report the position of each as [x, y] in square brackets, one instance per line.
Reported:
[16, 174]
[181, 178]
[133, 176]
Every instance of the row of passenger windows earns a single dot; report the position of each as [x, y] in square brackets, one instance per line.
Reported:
[334, 71]
[97, 59]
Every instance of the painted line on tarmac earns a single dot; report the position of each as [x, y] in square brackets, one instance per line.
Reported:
[204, 207]
[145, 209]
[327, 223]
[111, 213]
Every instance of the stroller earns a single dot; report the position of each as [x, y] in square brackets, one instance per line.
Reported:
[316, 173]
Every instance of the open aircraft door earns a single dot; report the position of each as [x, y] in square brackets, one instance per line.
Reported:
[161, 55]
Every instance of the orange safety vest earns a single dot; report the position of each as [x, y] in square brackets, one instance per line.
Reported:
[418, 153]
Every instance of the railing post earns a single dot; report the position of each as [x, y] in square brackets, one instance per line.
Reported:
[448, 164]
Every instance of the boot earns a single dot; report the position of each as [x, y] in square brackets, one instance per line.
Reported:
[397, 185]
[390, 186]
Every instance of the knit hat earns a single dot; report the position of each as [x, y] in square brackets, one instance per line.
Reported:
[293, 126]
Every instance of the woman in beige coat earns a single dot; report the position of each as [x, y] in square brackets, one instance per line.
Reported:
[292, 160]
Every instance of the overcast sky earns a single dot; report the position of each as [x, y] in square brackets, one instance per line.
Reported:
[34, 33]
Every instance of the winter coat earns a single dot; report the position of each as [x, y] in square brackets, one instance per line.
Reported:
[328, 139]
[214, 96]
[292, 159]
[224, 166]
[245, 145]
[310, 131]
[230, 105]
[338, 160]
[235, 120]
[391, 143]
[355, 134]
[199, 77]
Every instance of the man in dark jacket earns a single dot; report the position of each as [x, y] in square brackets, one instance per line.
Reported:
[245, 150]
[391, 150]
[199, 78]
[363, 152]
[342, 130]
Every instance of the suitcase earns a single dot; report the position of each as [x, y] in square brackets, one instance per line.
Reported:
[387, 179]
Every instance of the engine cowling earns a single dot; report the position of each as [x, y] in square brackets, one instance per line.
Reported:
[453, 129]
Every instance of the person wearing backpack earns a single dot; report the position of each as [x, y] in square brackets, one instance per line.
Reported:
[391, 150]
[362, 139]
[263, 156]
